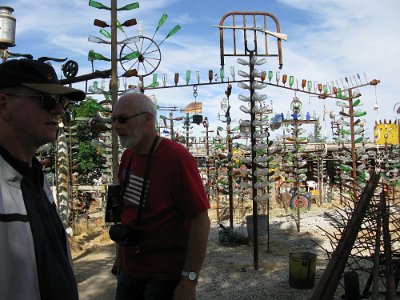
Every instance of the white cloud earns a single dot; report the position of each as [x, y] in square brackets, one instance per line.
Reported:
[328, 40]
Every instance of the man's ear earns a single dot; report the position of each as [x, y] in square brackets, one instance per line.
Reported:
[150, 117]
[4, 103]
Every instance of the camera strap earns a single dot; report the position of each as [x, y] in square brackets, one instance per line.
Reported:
[146, 176]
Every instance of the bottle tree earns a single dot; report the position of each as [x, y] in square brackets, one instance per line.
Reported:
[88, 161]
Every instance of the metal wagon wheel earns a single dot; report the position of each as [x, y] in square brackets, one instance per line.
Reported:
[144, 56]
[105, 114]
[70, 69]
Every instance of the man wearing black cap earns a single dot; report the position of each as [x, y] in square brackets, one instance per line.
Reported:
[35, 262]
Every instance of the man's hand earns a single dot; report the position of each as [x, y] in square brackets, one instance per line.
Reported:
[185, 290]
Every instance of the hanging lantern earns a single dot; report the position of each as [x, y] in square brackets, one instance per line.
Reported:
[296, 105]
[197, 119]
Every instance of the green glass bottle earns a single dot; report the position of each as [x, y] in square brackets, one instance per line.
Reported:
[97, 56]
[98, 107]
[129, 6]
[309, 85]
[155, 81]
[344, 131]
[130, 56]
[98, 5]
[221, 74]
[359, 113]
[325, 89]
[291, 81]
[188, 73]
[339, 93]
[346, 168]
[173, 31]
[359, 140]
[270, 75]
[356, 103]
[119, 26]
[105, 33]
[162, 21]
[153, 84]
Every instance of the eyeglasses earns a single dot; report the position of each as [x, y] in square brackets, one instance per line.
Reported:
[124, 119]
[47, 101]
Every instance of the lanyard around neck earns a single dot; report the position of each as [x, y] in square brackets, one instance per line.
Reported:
[145, 177]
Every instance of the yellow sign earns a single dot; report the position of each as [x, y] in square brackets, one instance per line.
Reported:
[386, 133]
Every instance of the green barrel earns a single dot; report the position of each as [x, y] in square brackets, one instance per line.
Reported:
[302, 267]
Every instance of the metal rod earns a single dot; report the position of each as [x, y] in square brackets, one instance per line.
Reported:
[353, 145]
[229, 156]
[389, 272]
[114, 86]
[253, 156]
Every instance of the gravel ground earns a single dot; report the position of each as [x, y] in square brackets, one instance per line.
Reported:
[228, 272]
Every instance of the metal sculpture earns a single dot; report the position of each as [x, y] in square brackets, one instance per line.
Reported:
[249, 27]
[62, 175]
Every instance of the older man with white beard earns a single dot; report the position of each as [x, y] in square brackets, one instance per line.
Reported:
[174, 223]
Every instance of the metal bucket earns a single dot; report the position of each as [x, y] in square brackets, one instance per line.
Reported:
[262, 226]
[302, 267]
[7, 27]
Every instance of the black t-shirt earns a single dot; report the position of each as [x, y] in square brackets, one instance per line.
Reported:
[56, 277]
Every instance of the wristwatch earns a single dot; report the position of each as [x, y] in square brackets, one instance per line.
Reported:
[192, 276]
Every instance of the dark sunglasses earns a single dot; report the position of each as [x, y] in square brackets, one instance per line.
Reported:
[124, 119]
[47, 101]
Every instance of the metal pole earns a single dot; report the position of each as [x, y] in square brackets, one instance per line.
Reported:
[230, 163]
[296, 174]
[71, 186]
[171, 124]
[387, 242]
[268, 189]
[114, 86]
[353, 145]
[253, 156]
[187, 129]
[206, 124]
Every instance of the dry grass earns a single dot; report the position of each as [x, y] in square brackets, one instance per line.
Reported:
[88, 235]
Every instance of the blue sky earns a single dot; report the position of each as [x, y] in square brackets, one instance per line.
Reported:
[327, 40]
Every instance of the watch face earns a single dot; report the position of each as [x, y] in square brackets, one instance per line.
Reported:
[192, 276]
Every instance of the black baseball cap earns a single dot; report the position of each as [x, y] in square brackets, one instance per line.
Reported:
[36, 75]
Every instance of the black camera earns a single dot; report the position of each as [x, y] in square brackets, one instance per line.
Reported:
[114, 203]
[124, 235]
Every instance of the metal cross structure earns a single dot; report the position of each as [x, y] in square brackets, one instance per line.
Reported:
[245, 26]
[253, 25]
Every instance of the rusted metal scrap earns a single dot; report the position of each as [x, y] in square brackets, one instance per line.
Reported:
[329, 281]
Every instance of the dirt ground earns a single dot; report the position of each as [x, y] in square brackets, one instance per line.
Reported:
[227, 272]
[93, 255]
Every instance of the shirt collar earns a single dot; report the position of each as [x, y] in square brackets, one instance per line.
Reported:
[19, 165]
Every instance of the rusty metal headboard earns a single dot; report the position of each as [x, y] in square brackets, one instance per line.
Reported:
[257, 23]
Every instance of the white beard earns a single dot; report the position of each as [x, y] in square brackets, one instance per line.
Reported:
[132, 141]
